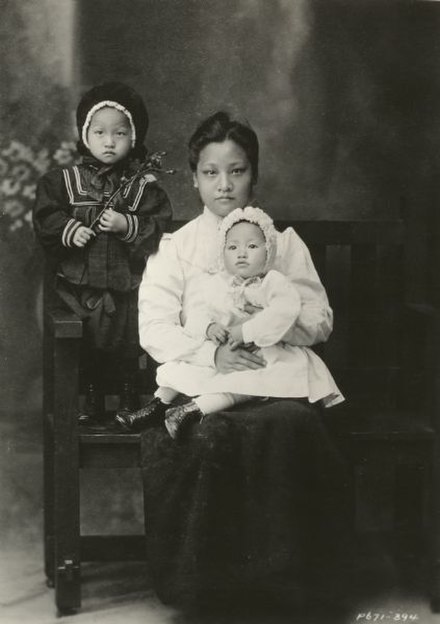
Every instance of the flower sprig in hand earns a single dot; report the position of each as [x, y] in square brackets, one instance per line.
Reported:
[112, 221]
[82, 236]
[145, 169]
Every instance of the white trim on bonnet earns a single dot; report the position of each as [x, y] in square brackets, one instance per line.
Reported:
[111, 104]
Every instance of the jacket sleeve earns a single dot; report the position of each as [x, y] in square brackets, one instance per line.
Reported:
[160, 305]
[53, 224]
[283, 305]
[314, 323]
[146, 226]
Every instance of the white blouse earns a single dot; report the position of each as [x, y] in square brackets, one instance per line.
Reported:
[168, 292]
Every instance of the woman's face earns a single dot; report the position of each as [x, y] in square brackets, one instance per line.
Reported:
[223, 177]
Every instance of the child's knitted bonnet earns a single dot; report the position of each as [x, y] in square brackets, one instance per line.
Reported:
[115, 95]
[257, 217]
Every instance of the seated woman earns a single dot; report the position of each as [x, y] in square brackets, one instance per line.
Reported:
[246, 243]
[251, 501]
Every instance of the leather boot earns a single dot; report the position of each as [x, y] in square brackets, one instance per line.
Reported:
[151, 415]
[93, 409]
[178, 419]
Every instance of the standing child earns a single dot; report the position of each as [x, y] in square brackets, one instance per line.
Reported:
[247, 250]
[97, 222]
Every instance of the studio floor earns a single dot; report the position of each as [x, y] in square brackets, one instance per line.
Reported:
[116, 594]
[120, 593]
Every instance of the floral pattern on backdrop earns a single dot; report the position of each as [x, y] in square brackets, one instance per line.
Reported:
[20, 168]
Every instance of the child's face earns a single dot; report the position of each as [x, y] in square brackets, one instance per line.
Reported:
[223, 177]
[109, 135]
[245, 250]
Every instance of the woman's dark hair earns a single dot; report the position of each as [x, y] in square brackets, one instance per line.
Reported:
[218, 128]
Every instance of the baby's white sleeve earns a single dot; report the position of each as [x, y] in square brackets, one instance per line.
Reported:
[282, 305]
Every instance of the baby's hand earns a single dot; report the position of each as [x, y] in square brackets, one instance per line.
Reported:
[217, 333]
[112, 221]
[251, 309]
[235, 336]
[82, 236]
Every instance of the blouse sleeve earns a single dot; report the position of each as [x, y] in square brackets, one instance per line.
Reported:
[314, 323]
[199, 318]
[160, 304]
[283, 305]
[53, 225]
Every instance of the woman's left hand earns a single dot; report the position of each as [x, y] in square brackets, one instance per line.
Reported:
[112, 221]
[228, 360]
[235, 336]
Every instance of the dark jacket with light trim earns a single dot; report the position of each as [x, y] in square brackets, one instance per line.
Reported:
[67, 198]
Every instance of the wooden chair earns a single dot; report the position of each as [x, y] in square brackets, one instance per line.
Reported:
[378, 357]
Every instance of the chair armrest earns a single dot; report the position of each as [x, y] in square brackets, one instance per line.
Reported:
[64, 324]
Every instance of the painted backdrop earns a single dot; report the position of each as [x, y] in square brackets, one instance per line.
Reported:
[343, 94]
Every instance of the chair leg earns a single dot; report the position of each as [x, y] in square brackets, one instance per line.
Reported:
[66, 541]
[433, 366]
[48, 457]
[66, 477]
[435, 533]
[48, 486]
[409, 496]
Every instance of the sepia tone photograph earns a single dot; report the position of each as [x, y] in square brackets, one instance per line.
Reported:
[219, 311]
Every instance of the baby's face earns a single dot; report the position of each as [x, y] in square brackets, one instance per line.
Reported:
[109, 135]
[245, 250]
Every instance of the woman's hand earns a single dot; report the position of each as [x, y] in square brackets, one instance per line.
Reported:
[82, 236]
[235, 336]
[228, 360]
[112, 221]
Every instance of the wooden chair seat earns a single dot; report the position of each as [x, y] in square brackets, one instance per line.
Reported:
[109, 450]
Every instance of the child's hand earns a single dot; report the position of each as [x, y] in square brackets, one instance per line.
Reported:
[217, 333]
[251, 309]
[112, 221]
[235, 336]
[82, 236]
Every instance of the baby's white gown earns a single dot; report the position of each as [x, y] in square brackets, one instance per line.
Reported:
[289, 372]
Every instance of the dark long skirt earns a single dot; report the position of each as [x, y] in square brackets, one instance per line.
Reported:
[254, 500]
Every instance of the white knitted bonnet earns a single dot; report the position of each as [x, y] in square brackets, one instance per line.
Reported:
[257, 217]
